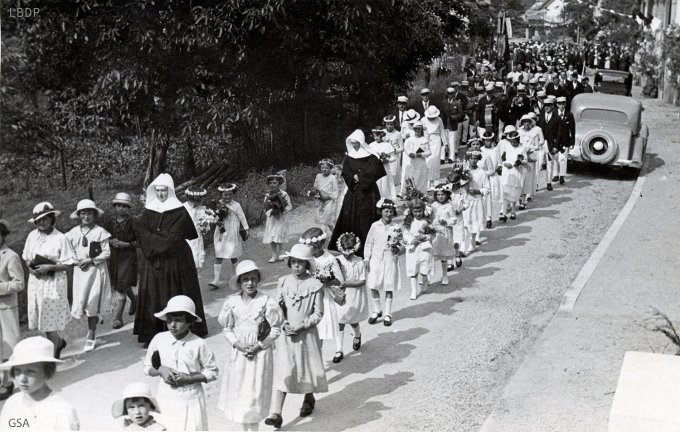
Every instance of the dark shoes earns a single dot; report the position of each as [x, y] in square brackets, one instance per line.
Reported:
[274, 420]
[549, 186]
[489, 224]
[555, 178]
[6, 392]
[561, 179]
[503, 218]
[529, 199]
[451, 267]
[522, 206]
[59, 349]
[459, 262]
[513, 216]
[307, 406]
[374, 317]
[356, 343]
[387, 321]
[449, 161]
[337, 358]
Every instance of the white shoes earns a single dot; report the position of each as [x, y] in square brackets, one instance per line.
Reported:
[89, 345]
[445, 281]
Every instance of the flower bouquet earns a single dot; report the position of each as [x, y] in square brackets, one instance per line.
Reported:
[275, 203]
[206, 219]
[431, 232]
[324, 274]
[384, 157]
[410, 191]
[314, 193]
[520, 159]
[221, 212]
[395, 238]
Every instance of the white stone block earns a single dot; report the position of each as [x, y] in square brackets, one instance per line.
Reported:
[647, 395]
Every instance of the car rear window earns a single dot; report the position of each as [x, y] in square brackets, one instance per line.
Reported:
[613, 78]
[604, 115]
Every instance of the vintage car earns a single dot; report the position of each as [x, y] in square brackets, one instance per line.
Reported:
[613, 82]
[609, 130]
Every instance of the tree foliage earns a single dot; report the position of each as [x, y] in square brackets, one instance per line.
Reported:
[605, 25]
[168, 70]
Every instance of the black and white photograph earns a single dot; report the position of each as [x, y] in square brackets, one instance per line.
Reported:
[340, 215]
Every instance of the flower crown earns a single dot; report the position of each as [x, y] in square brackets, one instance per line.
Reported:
[231, 187]
[313, 240]
[357, 243]
[326, 161]
[386, 203]
[196, 193]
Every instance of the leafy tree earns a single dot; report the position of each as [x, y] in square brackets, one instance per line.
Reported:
[167, 71]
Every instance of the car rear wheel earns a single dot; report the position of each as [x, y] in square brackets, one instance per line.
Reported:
[599, 147]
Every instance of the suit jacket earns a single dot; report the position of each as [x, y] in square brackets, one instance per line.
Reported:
[420, 109]
[573, 91]
[587, 88]
[551, 129]
[398, 120]
[568, 131]
[558, 91]
[453, 111]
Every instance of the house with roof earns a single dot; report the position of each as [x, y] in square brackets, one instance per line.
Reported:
[543, 15]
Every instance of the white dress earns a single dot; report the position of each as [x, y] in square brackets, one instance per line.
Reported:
[276, 227]
[355, 308]
[384, 273]
[443, 242]
[419, 258]
[435, 131]
[91, 285]
[395, 138]
[229, 244]
[54, 413]
[47, 296]
[386, 183]
[512, 179]
[183, 408]
[328, 186]
[246, 390]
[474, 217]
[459, 202]
[328, 327]
[416, 168]
[491, 159]
[532, 140]
[196, 245]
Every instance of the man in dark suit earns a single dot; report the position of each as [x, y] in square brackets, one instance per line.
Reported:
[454, 115]
[400, 114]
[487, 117]
[573, 88]
[587, 88]
[551, 125]
[554, 88]
[567, 137]
[424, 102]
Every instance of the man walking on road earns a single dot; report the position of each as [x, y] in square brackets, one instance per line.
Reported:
[551, 125]
[567, 139]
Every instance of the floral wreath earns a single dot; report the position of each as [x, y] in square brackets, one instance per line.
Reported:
[357, 243]
[326, 161]
[386, 203]
[313, 240]
[231, 187]
[197, 193]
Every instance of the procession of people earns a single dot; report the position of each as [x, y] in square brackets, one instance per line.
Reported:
[400, 212]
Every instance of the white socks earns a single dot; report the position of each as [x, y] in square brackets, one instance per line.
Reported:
[338, 341]
[414, 288]
[445, 276]
[217, 269]
[375, 298]
[388, 305]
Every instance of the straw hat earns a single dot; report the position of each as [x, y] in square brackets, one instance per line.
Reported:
[36, 349]
[562, 99]
[527, 117]
[180, 303]
[425, 91]
[122, 198]
[134, 390]
[41, 210]
[402, 99]
[411, 115]
[432, 112]
[464, 83]
[418, 124]
[489, 87]
[487, 135]
[86, 204]
[510, 132]
[541, 94]
[302, 252]
[243, 267]
[389, 118]
[549, 100]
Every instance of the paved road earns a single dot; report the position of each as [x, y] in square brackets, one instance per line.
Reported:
[445, 360]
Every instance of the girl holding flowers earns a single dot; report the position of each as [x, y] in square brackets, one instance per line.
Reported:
[327, 192]
[276, 205]
[194, 205]
[355, 308]
[387, 155]
[418, 235]
[478, 188]
[459, 202]
[394, 137]
[444, 219]
[384, 245]
[231, 230]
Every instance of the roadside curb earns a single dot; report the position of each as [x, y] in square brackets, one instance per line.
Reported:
[572, 294]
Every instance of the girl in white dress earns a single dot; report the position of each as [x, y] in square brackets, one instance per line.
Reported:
[387, 155]
[478, 188]
[91, 283]
[416, 152]
[183, 361]
[355, 308]
[384, 245]
[418, 239]
[434, 128]
[329, 327]
[246, 390]
[490, 163]
[531, 137]
[460, 201]
[513, 159]
[194, 205]
[48, 253]
[277, 205]
[394, 137]
[443, 219]
[342, 187]
[328, 192]
[31, 365]
[227, 237]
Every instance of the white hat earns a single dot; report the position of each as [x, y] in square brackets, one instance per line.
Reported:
[450, 90]
[549, 100]
[180, 303]
[533, 81]
[122, 198]
[43, 209]
[411, 115]
[36, 349]
[529, 118]
[561, 99]
[455, 84]
[499, 84]
[432, 112]
[521, 87]
[417, 123]
[489, 87]
[303, 252]
[243, 267]
[134, 390]
[464, 83]
[86, 204]
[425, 91]
[403, 99]
[510, 132]
[540, 93]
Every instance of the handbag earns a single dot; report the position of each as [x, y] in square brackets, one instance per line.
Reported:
[41, 260]
[242, 232]
[263, 329]
[95, 249]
